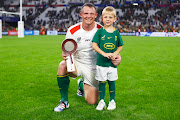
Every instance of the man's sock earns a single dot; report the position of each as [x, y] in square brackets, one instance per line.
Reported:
[112, 89]
[81, 85]
[63, 83]
[102, 89]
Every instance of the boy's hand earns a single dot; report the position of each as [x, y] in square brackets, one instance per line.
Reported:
[108, 55]
[113, 57]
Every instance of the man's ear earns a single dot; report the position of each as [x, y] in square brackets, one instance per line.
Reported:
[102, 18]
[80, 14]
[96, 15]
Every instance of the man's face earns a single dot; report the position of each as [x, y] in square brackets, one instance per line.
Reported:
[88, 15]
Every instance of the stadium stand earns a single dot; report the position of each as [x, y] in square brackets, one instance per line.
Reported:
[148, 15]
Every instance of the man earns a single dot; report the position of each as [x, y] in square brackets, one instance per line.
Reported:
[84, 58]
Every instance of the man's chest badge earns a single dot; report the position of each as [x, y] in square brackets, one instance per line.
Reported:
[78, 39]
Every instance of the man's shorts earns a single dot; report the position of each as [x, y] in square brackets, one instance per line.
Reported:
[106, 73]
[87, 72]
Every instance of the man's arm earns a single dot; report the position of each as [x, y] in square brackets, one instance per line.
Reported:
[117, 60]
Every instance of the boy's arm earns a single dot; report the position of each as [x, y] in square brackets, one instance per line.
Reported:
[98, 50]
[117, 52]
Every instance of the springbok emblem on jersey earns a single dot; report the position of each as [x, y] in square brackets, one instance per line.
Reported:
[103, 38]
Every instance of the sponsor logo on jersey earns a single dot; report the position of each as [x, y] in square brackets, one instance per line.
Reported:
[88, 40]
[115, 38]
[109, 37]
[109, 46]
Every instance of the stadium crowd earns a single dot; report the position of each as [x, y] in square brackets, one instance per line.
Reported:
[148, 15]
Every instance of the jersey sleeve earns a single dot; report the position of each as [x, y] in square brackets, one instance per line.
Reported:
[96, 37]
[69, 35]
[120, 41]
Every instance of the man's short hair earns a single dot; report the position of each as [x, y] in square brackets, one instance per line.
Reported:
[88, 5]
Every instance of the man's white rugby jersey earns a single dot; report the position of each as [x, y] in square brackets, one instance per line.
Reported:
[85, 53]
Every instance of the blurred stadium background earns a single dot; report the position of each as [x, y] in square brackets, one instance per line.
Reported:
[58, 15]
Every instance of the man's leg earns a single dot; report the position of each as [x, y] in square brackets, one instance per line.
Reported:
[63, 83]
[88, 75]
[80, 91]
[91, 94]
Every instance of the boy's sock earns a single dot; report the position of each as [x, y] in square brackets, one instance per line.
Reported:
[102, 89]
[112, 89]
[63, 83]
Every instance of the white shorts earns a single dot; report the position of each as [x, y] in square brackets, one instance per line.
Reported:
[87, 72]
[106, 73]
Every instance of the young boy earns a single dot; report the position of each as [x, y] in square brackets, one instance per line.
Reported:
[108, 43]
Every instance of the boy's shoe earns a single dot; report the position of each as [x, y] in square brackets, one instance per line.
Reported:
[61, 106]
[112, 105]
[79, 92]
[101, 105]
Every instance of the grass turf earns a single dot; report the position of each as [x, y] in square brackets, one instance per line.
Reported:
[148, 86]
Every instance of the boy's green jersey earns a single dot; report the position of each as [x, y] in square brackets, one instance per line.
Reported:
[107, 42]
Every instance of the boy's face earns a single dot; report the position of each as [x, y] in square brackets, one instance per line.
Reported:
[88, 15]
[108, 19]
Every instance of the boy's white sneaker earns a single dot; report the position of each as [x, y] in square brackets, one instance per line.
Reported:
[101, 105]
[112, 105]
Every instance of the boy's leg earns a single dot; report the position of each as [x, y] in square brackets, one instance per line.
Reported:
[112, 89]
[102, 89]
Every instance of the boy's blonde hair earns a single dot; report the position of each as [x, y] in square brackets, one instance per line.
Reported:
[109, 10]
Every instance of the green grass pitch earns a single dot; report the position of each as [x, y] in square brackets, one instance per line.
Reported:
[148, 87]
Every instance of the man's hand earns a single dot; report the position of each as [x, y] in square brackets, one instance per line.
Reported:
[117, 60]
[64, 56]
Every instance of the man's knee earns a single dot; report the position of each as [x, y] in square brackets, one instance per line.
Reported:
[62, 68]
[62, 63]
[92, 101]
[91, 95]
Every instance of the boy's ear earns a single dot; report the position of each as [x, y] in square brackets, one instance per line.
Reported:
[115, 19]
